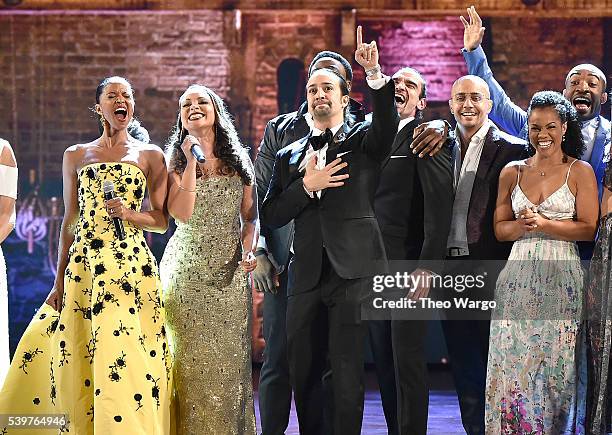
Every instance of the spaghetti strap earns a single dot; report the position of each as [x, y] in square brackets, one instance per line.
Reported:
[518, 174]
[569, 169]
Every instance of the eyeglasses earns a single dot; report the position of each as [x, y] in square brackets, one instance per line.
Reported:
[474, 97]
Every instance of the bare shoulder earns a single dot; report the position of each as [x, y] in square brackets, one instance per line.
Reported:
[581, 171]
[510, 171]
[581, 167]
[7, 156]
[76, 152]
[152, 150]
[154, 157]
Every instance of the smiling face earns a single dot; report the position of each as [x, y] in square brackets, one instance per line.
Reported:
[585, 89]
[470, 103]
[408, 92]
[326, 102]
[197, 109]
[116, 104]
[546, 130]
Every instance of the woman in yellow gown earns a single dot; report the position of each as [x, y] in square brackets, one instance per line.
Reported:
[96, 352]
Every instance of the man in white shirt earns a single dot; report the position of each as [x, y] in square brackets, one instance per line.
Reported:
[481, 151]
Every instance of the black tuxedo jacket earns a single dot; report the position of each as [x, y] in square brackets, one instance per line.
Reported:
[280, 132]
[414, 202]
[342, 221]
[499, 150]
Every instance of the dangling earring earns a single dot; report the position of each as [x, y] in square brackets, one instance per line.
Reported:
[102, 120]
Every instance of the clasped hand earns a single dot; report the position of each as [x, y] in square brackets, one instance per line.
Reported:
[319, 179]
[530, 220]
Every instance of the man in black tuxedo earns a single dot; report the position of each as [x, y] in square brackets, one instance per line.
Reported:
[273, 253]
[480, 153]
[337, 242]
[413, 206]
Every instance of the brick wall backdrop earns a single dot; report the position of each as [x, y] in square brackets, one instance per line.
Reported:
[272, 37]
[429, 45]
[529, 55]
[52, 63]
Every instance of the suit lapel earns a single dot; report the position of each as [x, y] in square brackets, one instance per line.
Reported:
[405, 134]
[334, 148]
[478, 196]
[297, 155]
[489, 151]
[297, 130]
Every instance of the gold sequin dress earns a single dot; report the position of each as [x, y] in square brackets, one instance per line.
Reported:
[208, 307]
[104, 360]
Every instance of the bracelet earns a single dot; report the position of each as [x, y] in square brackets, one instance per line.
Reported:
[186, 190]
[372, 71]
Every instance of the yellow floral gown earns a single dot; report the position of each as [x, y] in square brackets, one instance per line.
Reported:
[104, 361]
[209, 311]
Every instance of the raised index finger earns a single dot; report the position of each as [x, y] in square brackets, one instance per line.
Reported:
[359, 36]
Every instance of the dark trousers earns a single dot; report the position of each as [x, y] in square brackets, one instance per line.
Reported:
[274, 383]
[467, 341]
[411, 374]
[382, 350]
[327, 319]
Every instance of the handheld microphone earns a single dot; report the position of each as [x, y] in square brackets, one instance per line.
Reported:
[109, 193]
[196, 150]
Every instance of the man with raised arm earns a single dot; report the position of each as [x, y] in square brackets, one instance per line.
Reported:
[585, 88]
[326, 182]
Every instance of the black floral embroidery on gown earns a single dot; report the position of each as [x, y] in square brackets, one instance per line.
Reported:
[103, 361]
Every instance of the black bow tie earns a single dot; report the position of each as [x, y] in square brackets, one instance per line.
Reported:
[318, 142]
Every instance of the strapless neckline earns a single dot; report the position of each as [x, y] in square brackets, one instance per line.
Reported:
[110, 164]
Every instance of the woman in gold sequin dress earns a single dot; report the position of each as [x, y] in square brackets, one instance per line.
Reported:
[203, 269]
[96, 351]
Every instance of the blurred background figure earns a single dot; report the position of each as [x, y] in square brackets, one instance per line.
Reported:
[8, 195]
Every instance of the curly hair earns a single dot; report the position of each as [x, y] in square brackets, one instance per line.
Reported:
[135, 129]
[227, 148]
[572, 143]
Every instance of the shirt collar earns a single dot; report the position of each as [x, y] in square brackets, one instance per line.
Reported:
[334, 129]
[404, 122]
[478, 137]
[591, 123]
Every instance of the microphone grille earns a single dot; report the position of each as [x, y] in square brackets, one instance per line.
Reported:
[108, 186]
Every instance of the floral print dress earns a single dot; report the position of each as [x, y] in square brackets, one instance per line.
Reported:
[536, 377]
[103, 362]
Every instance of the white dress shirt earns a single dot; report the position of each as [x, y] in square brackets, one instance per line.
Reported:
[403, 123]
[588, 129]
[463, 181]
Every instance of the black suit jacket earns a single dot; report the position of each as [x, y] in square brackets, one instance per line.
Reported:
[342, 221]
[499, 150]
[414, 202]
[280, 132]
